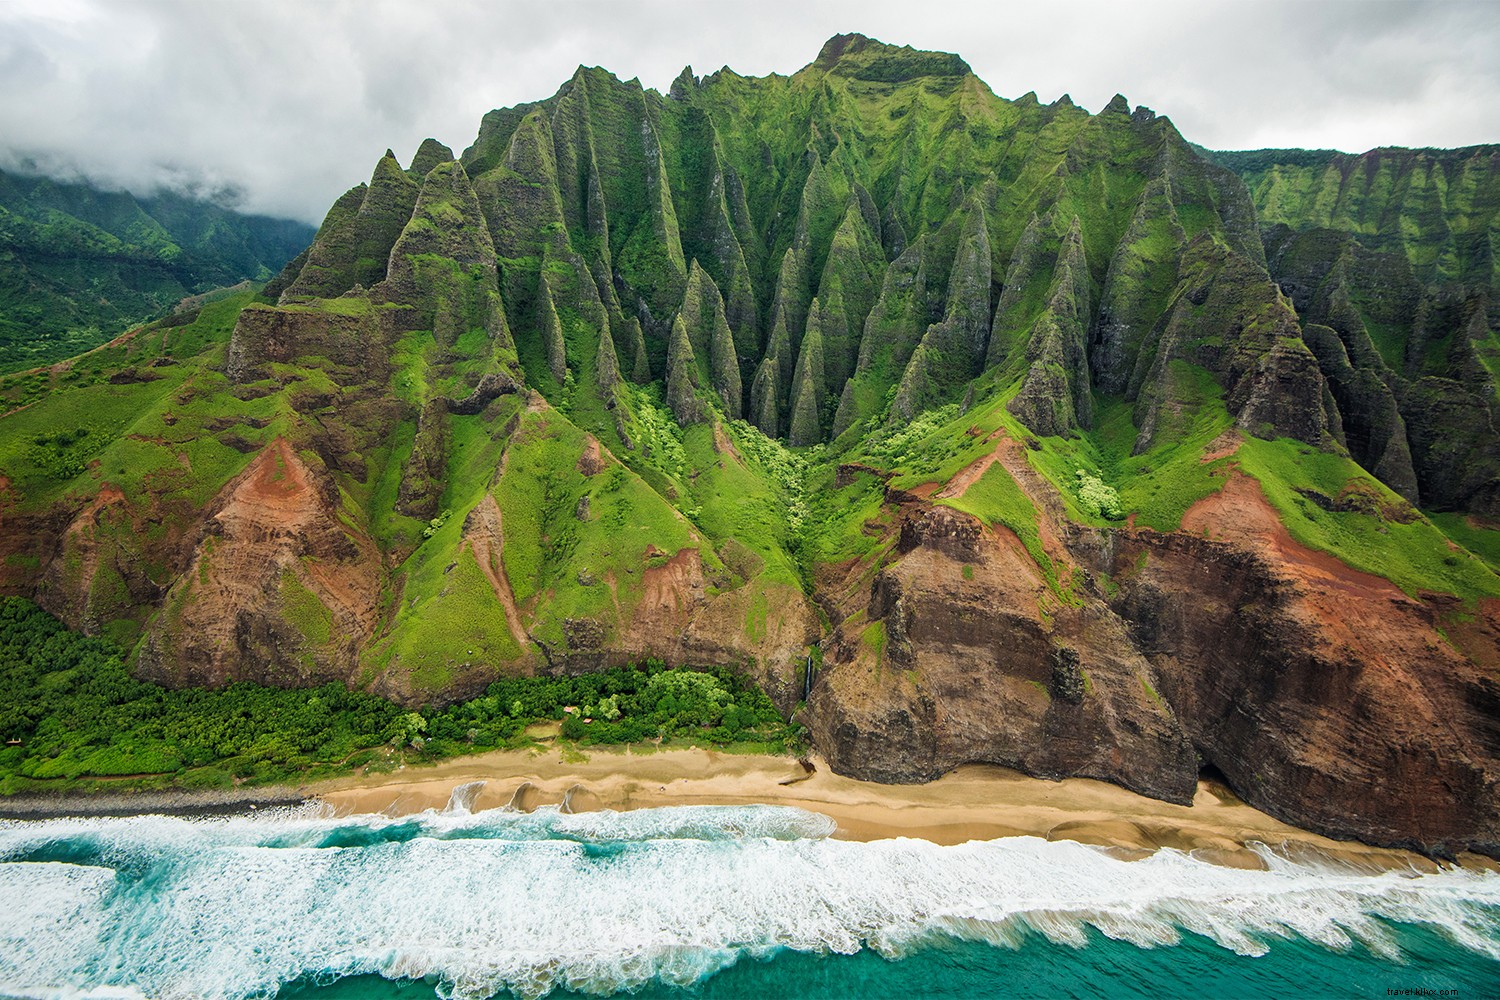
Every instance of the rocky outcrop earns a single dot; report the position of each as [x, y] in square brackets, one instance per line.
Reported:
[1325, 696]
[443, 265]
[278, 590]
[680, 620]
[553, 344]
[683, 378]
[948, 658]
[952, 350]
[808, 385]
[429, 154]
[352, 247]
[422, 477]
[349, 342]
[491, 387]
[712, 343]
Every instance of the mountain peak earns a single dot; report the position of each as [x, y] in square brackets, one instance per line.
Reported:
[835, 47]
[864, 58]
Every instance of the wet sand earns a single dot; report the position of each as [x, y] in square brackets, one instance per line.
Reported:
[974, 802]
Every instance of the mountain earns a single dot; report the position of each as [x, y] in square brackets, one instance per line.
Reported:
[1392, 259]
[972, 429]
[78, 264]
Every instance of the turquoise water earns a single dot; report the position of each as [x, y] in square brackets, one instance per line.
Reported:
[703, 902]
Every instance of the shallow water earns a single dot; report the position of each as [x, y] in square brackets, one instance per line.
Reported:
[709, 901]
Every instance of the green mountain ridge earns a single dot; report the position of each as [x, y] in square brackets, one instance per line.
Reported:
[1390, 258]
[78, 264]
[970, 429]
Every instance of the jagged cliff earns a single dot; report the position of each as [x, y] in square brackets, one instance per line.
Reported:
[1391, 260]
[974, 429]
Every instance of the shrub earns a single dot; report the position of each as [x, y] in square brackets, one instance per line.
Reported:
[1098, 498]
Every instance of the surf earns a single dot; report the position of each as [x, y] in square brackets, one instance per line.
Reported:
[483, 903]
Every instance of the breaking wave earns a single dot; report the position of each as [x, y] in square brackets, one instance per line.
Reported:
[605, 902]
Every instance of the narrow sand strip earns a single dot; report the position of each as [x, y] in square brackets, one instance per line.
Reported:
[974, 802]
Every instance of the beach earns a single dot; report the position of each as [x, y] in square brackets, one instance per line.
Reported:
[973, 802]
[621, 872]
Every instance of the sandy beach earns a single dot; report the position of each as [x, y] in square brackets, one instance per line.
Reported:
[973, 802]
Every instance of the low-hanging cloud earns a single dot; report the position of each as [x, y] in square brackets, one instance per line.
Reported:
[282, 105]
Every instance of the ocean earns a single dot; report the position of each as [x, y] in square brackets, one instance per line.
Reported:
[697, 902]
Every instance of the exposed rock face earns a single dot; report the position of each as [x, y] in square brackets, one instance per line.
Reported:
[684, 378]
[421, 479]
[491, 387]
[707, 329]
[1324, 695]
[98, 572]
[1283, 395]
[265, 336]
[278, 591]
[967, 670]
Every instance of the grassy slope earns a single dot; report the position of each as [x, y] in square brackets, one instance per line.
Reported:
[78, 264]
[761, 515]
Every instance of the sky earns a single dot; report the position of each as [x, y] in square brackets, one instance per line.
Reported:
[281, 105]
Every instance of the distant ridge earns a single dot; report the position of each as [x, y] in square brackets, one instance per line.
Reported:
[79, 264]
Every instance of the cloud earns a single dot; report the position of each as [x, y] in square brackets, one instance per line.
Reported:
[284, 105]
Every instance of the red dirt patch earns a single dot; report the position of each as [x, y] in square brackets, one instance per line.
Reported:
[1223, 446]
[274, 518]
[670, 592]
[1049, 503]
[276, 481]
[1239, 513]
[969, 475]
[591, 462]
[484, 533]
[724, 446]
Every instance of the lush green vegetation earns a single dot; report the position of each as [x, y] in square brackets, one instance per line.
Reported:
[1431, 205]
[1377, 532]
[74, 717]
[78, 265]
[924, 265]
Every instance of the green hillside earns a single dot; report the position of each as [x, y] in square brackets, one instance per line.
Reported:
[969, 429]
[79, 264]
[1391, 258]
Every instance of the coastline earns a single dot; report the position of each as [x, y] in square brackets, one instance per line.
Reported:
[973, 802]
[169, 802]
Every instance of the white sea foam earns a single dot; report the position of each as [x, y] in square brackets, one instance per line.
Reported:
[600, 902]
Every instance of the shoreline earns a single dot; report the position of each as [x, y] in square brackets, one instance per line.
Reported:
[972, 802]
[168, 802]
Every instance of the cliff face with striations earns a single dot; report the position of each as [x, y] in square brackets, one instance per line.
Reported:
[1392, 255]
[973, 429]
